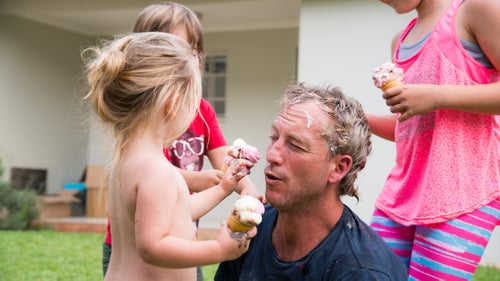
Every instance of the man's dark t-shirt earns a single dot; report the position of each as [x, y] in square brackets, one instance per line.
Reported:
[352, 251]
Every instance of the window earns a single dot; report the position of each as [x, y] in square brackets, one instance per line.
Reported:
[214, 84]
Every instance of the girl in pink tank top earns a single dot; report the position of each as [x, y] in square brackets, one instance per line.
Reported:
[446, 130]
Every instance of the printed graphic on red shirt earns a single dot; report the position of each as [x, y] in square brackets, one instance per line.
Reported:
[187, 151]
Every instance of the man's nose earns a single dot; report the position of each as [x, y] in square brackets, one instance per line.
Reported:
[273, 153]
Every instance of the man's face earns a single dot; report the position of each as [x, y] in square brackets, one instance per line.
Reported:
[297, 159]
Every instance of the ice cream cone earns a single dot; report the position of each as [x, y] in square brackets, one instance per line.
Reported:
[387, 75]
[391, 83]
[246, 212]
[236, 225]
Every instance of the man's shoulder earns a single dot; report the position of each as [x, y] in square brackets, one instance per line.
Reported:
[366, 250]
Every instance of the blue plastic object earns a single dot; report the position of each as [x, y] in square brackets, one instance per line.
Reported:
[79, 185]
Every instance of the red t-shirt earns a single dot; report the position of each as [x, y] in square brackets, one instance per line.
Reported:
[203, 135]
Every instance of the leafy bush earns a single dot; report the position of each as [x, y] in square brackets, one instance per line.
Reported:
[18, 207]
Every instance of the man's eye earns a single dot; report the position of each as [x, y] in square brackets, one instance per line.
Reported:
[296, 146]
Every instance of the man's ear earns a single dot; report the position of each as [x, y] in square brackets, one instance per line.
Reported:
[341, 165]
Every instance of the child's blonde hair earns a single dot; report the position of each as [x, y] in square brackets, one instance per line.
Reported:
[138, 76]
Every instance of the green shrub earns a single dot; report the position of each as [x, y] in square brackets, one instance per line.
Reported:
[18, 207]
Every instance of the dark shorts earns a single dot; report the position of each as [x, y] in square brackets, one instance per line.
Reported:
[199, 276]
[106, 256]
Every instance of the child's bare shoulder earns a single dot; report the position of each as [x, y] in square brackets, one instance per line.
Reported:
[147, 167]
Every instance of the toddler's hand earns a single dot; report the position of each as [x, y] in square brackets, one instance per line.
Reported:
[232, 248]
[236, 170]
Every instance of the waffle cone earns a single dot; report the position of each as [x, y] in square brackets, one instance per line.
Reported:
[236, 225]
[391, 83]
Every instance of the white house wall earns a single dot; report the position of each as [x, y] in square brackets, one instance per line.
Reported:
[340, 43]
[39, 111]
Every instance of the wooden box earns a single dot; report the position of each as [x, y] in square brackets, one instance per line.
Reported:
[97, 194]
[57, 205]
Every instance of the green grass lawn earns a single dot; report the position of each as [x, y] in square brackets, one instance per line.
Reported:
[56, 256]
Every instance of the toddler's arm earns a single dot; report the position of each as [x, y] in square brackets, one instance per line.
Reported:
[202, 202]
[184, 253]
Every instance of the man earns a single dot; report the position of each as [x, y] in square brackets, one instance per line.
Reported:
[320, 140]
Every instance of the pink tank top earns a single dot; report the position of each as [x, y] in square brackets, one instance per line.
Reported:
[447, 161]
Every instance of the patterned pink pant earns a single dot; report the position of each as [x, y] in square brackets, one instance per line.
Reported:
[445, 251]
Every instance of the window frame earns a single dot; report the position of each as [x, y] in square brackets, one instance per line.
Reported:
[211, 91]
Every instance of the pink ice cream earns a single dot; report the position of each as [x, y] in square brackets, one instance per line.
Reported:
[386, 73]
[245, 212]
[249, 210]
[241, 150]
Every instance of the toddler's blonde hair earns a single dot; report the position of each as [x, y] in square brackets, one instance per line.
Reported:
[138, 76]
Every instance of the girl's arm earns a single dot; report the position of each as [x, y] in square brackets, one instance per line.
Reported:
[204, 201]
[216, 157]
[484, 99]
[382, 126]
[176, 252]
[245, 185]
[413, 99]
